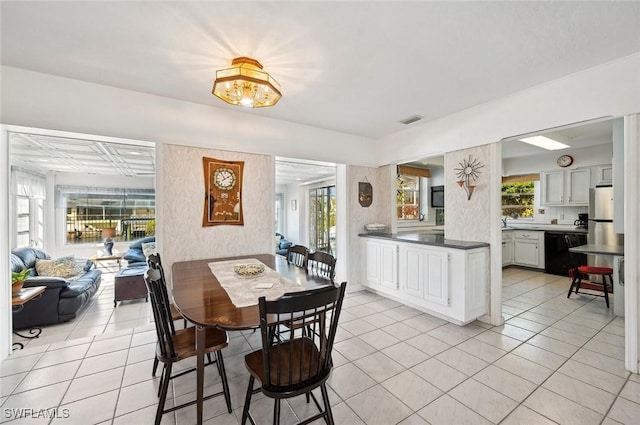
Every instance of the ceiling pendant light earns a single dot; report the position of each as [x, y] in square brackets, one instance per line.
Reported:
[246, 84]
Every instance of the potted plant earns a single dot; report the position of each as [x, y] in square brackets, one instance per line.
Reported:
[17, 280]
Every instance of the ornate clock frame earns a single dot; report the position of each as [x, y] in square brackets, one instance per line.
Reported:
[223, 192]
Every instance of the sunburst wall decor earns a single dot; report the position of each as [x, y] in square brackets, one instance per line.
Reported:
[467, 174]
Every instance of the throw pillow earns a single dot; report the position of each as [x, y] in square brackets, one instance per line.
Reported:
[149, 248]
[278, 242]
[60, 267]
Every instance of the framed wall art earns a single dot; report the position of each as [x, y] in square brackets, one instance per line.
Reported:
[365, 193]
[223, 192]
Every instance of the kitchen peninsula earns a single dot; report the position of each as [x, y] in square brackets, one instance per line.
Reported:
[443, 277]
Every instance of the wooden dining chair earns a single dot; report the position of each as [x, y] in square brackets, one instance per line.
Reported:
[176, 345]
[297, 255]
[578, 272]
[155, 262]
[322, 264]
[293, 363]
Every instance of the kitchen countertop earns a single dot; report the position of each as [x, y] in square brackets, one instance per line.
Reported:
[599, 249]
[559, 228]
[425, 238]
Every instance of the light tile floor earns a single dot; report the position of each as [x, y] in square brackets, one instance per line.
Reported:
[555, 360]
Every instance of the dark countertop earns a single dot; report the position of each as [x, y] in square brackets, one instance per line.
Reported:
[599, 249]
[425, 238]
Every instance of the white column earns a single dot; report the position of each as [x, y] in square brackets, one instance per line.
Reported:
[632, 241]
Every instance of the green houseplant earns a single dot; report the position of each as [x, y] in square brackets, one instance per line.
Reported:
[17, 280]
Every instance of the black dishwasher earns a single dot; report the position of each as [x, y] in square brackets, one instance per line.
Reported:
[556, 253]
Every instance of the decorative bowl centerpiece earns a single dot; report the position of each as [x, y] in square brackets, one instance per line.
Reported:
[249, 270]
[375, 227]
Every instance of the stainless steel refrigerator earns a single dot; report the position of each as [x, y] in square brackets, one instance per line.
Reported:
[601, 224]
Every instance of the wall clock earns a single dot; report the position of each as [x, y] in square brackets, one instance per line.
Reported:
[564, 160]
[223, 192]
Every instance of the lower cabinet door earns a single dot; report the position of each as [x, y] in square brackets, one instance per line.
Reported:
[373, 262]
[411, 271]
[507, 252]
[389, 265]
[525, 253]
[436, 277]
[424, 274]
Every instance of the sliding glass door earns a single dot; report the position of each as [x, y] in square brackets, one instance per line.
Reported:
[322, 219]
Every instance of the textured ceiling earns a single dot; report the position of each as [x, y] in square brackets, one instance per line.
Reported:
[49, 154]
[64, 155]
[354, 67]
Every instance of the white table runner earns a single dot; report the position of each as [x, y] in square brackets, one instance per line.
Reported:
[242, 290]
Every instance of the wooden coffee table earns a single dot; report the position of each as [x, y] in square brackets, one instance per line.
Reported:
[98, 258]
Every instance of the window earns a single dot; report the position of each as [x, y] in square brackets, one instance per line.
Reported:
[408, 197]
[322, 219]
[518, 199]
[90, 210]
[29, 193]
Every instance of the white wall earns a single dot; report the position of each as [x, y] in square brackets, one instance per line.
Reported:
[5, 291]
[292, 230]
[45, 101]
[611, 89]
[468, 219]
[183, 237]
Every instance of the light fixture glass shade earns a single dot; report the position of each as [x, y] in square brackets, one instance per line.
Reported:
[246, 84]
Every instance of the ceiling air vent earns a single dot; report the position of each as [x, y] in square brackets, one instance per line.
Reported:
[411, 119]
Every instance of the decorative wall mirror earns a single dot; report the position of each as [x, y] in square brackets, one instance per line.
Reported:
[365, 193]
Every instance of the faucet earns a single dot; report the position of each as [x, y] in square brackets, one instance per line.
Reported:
[504, 222]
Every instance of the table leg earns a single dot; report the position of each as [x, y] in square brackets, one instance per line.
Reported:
[33, 333]
[200, 342]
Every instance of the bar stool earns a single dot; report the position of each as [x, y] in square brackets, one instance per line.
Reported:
[578, 272]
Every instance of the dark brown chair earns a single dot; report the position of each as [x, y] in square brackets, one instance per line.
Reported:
[297, 255]
[291, 364]
[175, 345]
[322, 264]
[578, 272]
[155, 262]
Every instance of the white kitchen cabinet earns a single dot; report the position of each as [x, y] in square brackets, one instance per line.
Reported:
[565, 187]
[577, 186]
[389, 266]
[604, 174]
[423, 273]
[447, 282]
[373, 262]
[552, 188]
[528, 248]
[382, 264]
[507, 248]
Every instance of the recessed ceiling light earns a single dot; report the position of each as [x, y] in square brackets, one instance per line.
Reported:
[544, 143]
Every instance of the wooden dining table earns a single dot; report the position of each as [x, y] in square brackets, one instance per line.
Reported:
[202, 300]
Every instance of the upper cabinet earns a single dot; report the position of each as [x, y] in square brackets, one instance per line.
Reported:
[566, 187]
[604, 174]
